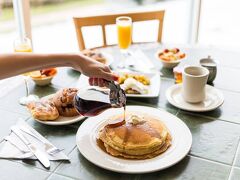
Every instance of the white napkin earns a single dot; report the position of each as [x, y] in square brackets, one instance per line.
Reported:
[13, 148]
[140, 60]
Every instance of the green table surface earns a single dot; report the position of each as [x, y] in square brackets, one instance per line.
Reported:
[215, 152]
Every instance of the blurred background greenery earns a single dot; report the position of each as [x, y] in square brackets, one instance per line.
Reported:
[44, 6]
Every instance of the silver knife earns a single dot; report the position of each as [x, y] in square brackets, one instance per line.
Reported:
[39, 154]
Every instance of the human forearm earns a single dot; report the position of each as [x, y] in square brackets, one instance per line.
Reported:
[18, 63]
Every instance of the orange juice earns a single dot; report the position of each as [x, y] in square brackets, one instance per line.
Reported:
[23, 48]
[124, 30]
[178, 74]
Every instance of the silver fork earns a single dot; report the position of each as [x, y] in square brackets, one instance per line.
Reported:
[52, 149]
[49, 148]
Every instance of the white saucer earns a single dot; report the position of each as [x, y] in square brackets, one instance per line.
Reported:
[88, 132]
[214, 99]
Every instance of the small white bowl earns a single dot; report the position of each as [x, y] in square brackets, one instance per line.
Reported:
[168, 64]
[43, 81]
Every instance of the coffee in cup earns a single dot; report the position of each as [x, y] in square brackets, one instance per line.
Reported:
[194, 82]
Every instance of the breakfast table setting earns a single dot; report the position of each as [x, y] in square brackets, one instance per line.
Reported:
[203, 127]
[170, 113]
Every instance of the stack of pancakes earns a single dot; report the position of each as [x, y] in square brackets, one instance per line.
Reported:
[143, 140]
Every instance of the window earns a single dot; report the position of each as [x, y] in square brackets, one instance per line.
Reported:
[53, 29]
[219, 23]
[7, 23]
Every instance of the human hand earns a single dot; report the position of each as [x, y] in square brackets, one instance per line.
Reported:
[99, 82]
[97, 72]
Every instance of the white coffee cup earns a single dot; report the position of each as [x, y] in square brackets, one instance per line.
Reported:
[194, 82]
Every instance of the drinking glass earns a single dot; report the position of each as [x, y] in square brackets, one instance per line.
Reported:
[24, 45]
[124, 31]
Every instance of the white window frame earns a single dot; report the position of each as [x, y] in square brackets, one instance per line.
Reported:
[194, 21]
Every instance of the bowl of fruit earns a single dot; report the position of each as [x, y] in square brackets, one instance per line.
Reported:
[170, 57]
[44, 76]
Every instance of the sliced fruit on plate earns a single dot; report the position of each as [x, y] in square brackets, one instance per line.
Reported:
[43, 73]
[35, 74]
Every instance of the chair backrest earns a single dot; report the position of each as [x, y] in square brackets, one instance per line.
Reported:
[109, 19]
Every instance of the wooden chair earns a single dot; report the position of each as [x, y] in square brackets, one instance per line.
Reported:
[109, 19]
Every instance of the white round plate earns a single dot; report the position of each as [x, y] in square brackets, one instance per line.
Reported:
[61, 120]
[214, 99]
[88, 133]
[154, 87]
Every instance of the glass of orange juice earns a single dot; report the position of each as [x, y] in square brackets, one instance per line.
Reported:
[24, 45]
[124, 31]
